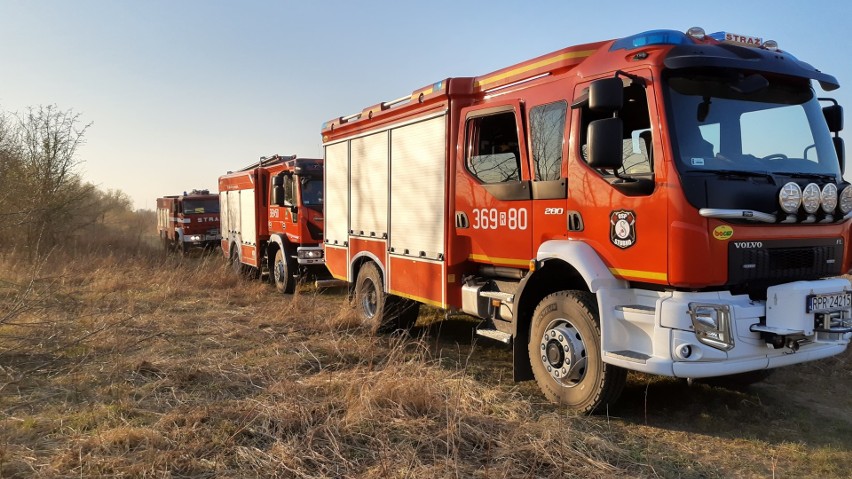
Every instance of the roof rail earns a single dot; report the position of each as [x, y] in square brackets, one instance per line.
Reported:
[416, 96]
[268, 160]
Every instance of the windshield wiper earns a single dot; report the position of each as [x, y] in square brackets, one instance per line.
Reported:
[815, 176]
[736, 173]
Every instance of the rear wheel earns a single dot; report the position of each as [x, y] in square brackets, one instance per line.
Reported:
[283, 272]
[379, 311]
[234, 259]
[565, 353]
[240, 269]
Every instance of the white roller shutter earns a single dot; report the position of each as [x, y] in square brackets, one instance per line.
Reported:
[418, 175]
[336, 198]
[370, 185]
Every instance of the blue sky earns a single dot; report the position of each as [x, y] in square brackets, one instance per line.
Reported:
[179, 92]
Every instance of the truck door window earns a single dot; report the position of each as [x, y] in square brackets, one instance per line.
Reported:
[493, 154]
[547, 129]
[289, 193]
[637, 143]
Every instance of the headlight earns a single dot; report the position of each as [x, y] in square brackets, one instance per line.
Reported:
[309, 254]
[195, 238]
[810, 198]
[790, 197]
[712, 324]
[829, 198]
[846, 200]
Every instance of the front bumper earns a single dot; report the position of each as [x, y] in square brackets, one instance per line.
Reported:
[657, 334]
[201, 238]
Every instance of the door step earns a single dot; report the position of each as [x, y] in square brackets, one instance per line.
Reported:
[330, 283]
[632, 356]
[494, 334]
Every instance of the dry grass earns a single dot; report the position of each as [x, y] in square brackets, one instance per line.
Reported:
[140, 365]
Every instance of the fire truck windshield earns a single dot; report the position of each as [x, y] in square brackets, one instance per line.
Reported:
[739, 123]
[311, 191]
[200, 206]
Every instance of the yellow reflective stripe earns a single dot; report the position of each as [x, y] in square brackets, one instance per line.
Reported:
[512, 261]
[517, 71]
[436, 304]
[639, 274]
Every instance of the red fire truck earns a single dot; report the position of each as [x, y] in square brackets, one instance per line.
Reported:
[188, 220]
[667, 202]
[272, 219]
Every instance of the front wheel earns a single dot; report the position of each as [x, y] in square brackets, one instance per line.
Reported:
[283, 272]
[565, 353]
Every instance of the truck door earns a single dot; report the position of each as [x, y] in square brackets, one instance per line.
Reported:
[492, 209]
[624, 212]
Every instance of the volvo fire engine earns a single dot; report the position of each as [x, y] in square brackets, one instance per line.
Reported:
[272, 219]
[189, 220]
[670, 203]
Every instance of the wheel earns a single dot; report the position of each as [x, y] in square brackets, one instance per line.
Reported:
[239, 269]
[378, 311]
[283, 272]
[775, 156]
[565, 353]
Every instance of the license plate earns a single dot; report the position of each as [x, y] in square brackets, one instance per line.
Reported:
[826, 303]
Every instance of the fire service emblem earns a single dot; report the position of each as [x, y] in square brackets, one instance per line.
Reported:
[622, 230]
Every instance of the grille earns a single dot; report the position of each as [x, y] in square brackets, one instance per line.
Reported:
[774, 262]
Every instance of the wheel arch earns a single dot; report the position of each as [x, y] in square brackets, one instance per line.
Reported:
[358, 262]
[276, 242]
[560, 265]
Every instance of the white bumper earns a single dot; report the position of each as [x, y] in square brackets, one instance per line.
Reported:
[655, 332]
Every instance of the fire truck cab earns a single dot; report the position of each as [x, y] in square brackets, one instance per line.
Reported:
[670, 203]
[272, 219]
[190, 220]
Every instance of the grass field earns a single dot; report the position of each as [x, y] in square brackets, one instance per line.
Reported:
[151, 366]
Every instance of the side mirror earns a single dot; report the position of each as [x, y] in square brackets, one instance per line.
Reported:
[605, 144]
[833, 117]
[606, 94]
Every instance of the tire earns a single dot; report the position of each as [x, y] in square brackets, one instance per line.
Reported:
[565, 354]
[378, 311]
[283, 272]
[239, 269]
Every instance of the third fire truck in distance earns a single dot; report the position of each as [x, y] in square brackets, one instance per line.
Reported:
[667, 203]
[272, 219]
[190, 220]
